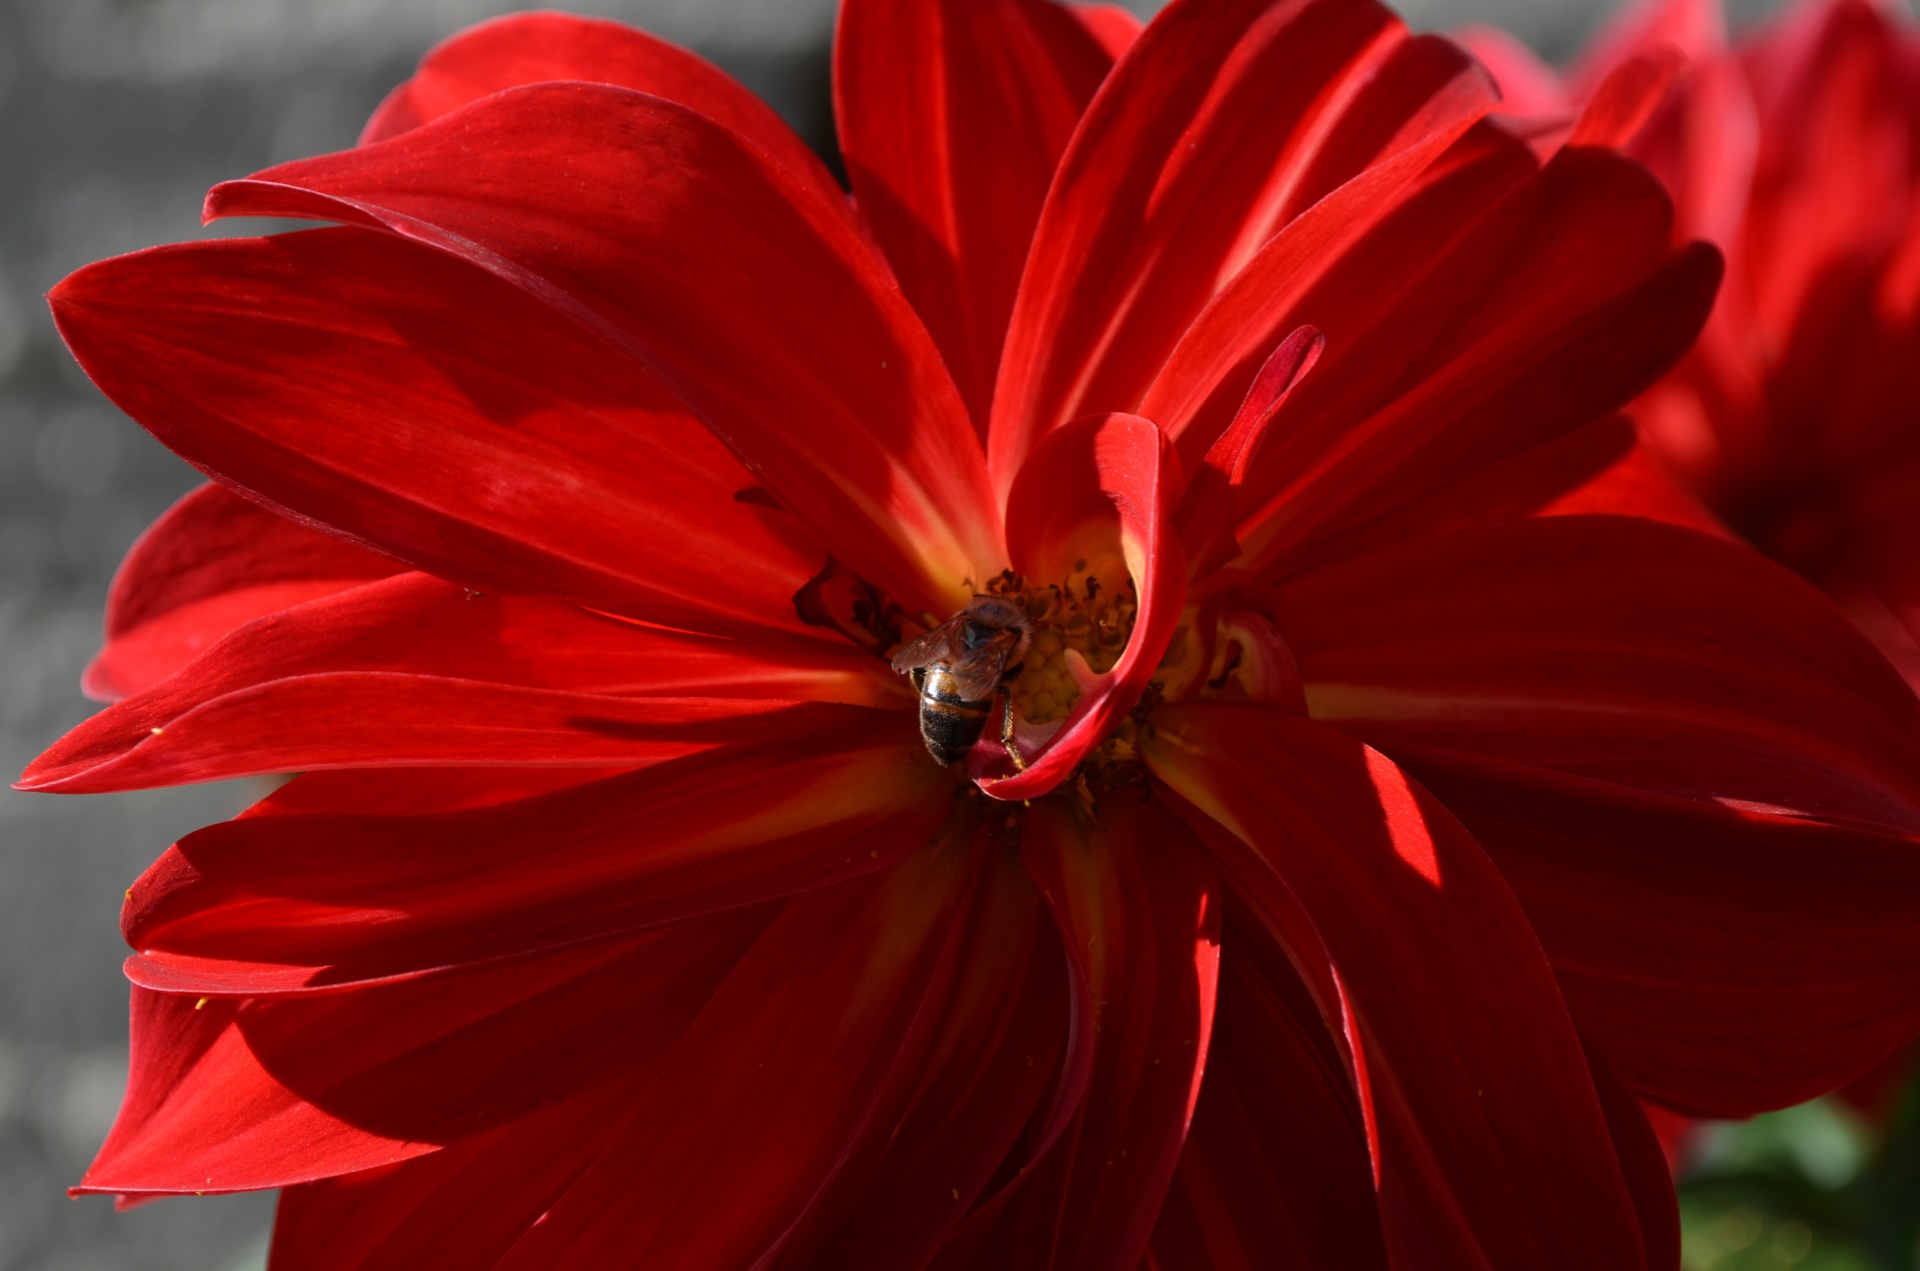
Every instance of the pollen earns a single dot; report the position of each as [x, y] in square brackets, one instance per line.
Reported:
[1075, 614]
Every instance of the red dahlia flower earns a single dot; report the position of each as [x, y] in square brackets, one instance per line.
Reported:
[1366, 838]
[1796, 417]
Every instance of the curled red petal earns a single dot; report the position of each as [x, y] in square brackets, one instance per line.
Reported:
[296, 901]
[531, 48]
[213, 562]
[408, 401]
[1206, 514]
[701, 258]
[952, 116]
[1491, 1146]
[1103, 491]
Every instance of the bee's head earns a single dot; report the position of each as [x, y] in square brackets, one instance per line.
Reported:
[990, 616]
[996, 613]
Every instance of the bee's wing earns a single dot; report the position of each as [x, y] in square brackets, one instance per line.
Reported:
[977, 674]
[936, 645]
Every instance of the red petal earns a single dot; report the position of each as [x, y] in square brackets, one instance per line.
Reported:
[1491, 1145]
[1361, 234]
[1643, 1162]
[1834, 168]
[1139, 907]
[1617, 649]
[282, 903]
[703, 259]
[1627, 98]
[1102, 491]
[321, 721]
[1726, 960]
[453, 678]
[1599, 467]
[1445, 354]
[952, 117]
[781, 1074]
[214, 562]
[1207, 509]
[386, 791]
[462, 1206]
[230, 1096]
[1113, 27]
[1275, 1169]
[1635, 483]
[1221, 124]
[1529, 88]
[992, 1042]
[1697, 28]
[408, 401]
[1440, 93]
[529, 48]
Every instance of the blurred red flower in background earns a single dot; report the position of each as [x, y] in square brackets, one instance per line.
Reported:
[1383, 823]
[1796, 417]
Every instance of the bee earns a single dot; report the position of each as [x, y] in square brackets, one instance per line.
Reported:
[957, 668]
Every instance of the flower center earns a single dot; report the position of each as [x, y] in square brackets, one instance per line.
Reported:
[1077, 615]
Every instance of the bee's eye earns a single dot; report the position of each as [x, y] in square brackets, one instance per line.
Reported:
[973, 635]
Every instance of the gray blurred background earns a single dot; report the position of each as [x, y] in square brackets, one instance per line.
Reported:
[115, 116]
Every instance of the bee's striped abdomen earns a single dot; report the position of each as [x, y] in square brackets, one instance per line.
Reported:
[949, 723]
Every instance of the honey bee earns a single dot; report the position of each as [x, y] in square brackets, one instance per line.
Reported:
[958, 667]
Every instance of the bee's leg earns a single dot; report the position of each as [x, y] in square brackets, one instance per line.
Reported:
[1006, 728]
